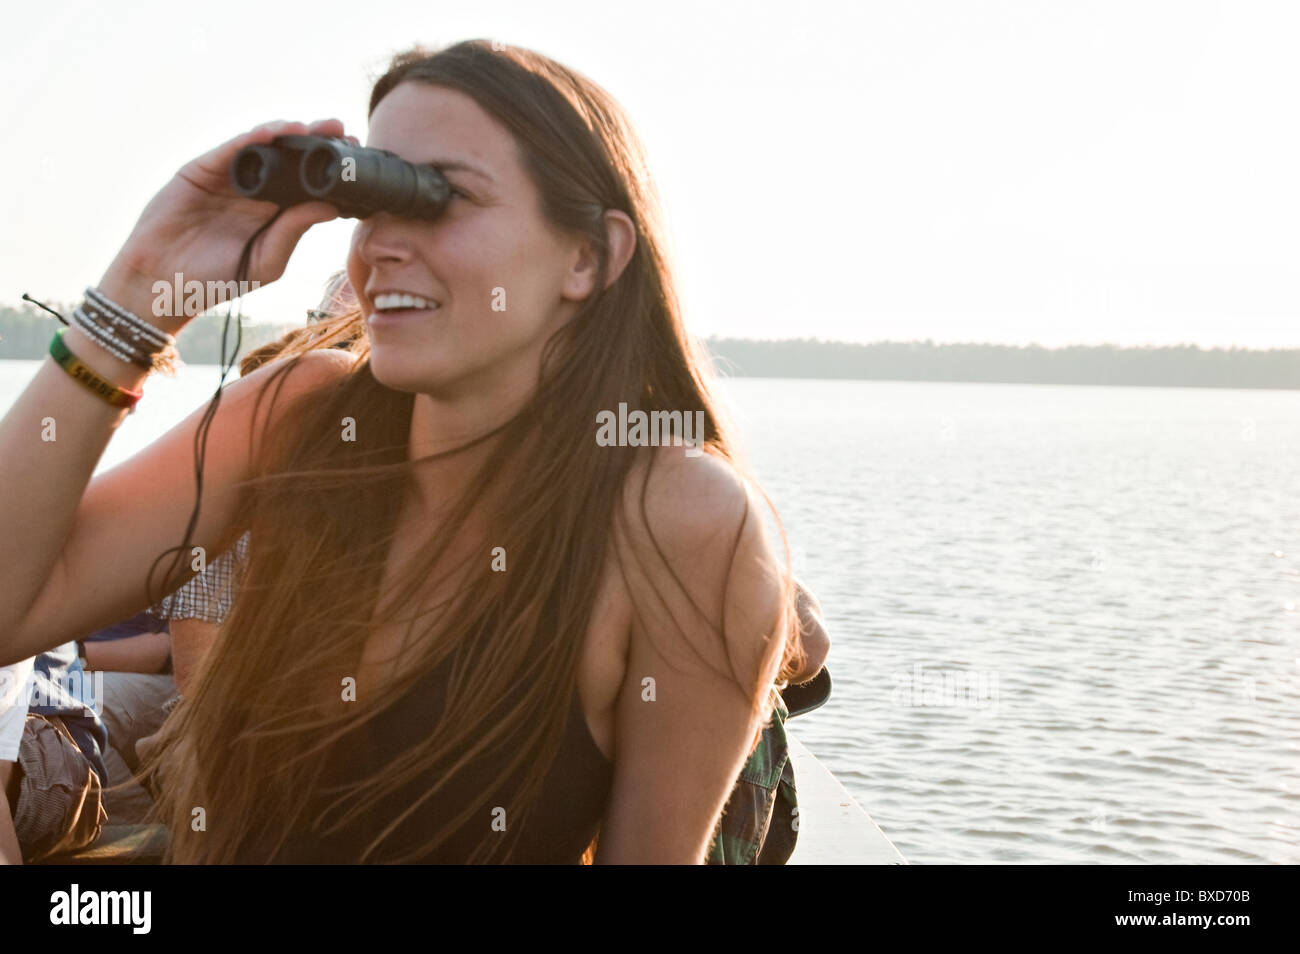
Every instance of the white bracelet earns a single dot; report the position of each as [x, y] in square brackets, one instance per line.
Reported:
[101, 337]
[155, 336]
[116, 325]
[126, 335]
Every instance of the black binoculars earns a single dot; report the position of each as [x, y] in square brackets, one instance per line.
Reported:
[356, 180]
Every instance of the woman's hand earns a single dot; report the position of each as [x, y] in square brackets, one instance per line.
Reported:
[812, 633]
[197, 226]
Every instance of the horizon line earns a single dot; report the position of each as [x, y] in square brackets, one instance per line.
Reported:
[26, 307]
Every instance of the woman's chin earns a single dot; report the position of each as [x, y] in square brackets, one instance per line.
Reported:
[398, 373]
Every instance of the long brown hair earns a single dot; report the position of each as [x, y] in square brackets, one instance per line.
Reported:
[248, 744]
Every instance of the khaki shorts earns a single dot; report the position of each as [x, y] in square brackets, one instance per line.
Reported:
[60, 804]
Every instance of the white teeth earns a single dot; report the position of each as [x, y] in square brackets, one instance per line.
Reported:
[391, 300]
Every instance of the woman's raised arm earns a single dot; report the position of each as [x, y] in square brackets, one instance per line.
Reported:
[74, 558]
[83, 567]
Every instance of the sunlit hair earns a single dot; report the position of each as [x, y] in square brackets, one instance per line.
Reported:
[338, 298]
[250, 743]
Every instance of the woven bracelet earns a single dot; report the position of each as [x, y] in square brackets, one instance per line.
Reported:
[125, 335]
[106, 391]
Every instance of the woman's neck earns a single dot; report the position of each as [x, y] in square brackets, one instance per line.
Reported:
[439, 425]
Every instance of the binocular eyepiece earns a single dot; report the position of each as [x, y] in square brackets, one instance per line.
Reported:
[356, 180]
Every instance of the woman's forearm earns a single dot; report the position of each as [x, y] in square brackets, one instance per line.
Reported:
[144, 653]
[50, 442]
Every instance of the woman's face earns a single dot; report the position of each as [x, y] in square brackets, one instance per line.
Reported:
[502, 279]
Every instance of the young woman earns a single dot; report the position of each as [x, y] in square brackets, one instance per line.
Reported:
[467, 630]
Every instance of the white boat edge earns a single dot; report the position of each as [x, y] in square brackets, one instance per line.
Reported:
[833, 828]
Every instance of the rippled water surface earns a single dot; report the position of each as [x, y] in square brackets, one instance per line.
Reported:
[1066, 620]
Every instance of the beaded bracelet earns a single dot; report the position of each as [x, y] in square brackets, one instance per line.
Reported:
[139, 327]
[97, 325]
[126, 336]
[106, 340]
[69, 362]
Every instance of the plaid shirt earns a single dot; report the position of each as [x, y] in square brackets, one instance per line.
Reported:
[211, 594]
[760, 823]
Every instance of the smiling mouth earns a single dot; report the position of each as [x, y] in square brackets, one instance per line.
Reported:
[395, 302]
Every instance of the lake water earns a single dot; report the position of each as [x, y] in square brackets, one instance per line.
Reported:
[1065, 620]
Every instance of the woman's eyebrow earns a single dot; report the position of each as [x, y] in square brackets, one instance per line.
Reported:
[454, 165]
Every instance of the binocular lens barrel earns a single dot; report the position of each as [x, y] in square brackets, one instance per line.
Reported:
[264, 172]
[358, 181]
[253, 167]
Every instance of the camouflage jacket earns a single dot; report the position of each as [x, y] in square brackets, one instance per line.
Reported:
[760, 822]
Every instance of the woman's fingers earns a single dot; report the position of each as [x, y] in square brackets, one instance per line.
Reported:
[326, 127]
[215, 163]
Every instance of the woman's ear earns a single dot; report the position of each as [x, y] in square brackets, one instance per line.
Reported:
[622, 242]
[621, 234]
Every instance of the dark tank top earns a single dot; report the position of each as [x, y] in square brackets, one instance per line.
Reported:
[563, 820]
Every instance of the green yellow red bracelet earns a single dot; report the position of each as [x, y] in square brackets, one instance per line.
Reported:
[69, 362]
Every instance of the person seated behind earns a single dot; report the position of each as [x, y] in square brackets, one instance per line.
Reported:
[140, 644]
[135, 660]
[52, 771]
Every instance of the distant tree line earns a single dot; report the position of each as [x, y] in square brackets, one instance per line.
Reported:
[25, 333]
[1169, 366]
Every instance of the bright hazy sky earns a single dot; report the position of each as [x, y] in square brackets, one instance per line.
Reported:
[1036, 170]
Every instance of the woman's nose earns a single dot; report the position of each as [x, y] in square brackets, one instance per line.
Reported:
[381, 239]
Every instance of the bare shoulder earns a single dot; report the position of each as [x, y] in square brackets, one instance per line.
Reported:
[311, 368]
[695, 527]
[287, 379]
[337, 359]
[688, 501]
